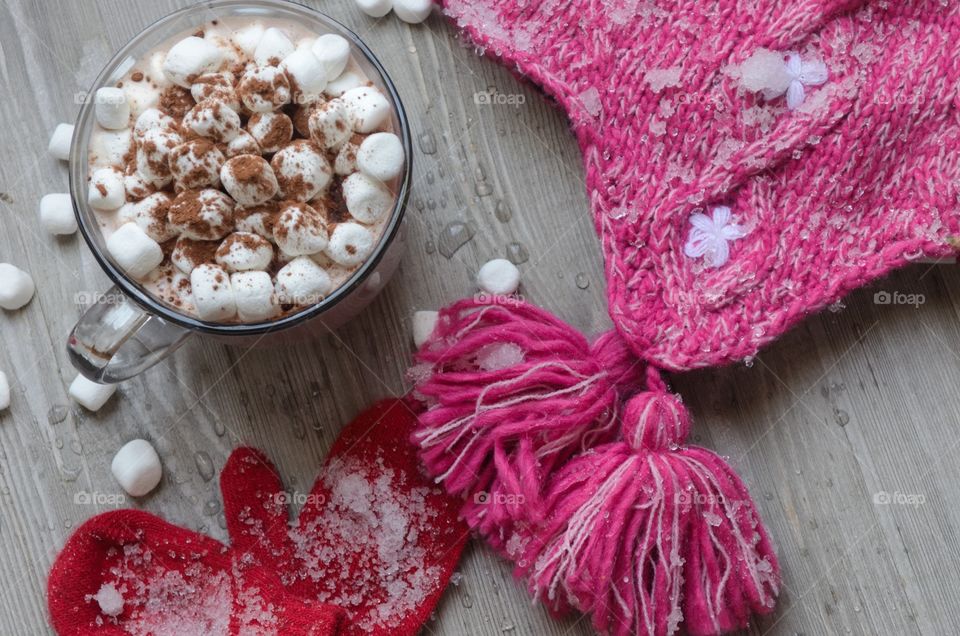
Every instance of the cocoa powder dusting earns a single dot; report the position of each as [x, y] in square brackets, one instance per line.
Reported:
[176, 101]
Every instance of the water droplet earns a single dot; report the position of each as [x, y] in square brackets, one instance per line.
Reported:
[211, 508]
[219, 428]
[428, 143]
[299, 431]
[222, 522]
[58, 443]
[842, 417]
[70, 474]
[453, 237]
[467, 601]
[204, 465]
[581, 280]
[429, 247]
[484, 189]
[507, 626]
[431, 204]
[517, 253]
[503, 212]
[57, 414]
[430, 177]
[76, 446]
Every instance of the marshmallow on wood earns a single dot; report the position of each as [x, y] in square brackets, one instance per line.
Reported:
[151, 215]
[499, 277]
[274, 47]
[271, 130]
[16, 287]
[381, 156]
[150, 119]
[302, 170]
[375, 8]
[135, 253]
[4, 392]
[303, 282]
[249, 179]
[264, 88]
[89, 394]
[106, 191]
[137, 468]
[256, 297]
[190, 58]
[56, 214]
[248, 38]
[196, 164]
[60, 141]
[346, 160]
[218, 87]
[369, 109]
[367, 199]
[412, 11]
[330, 124]
[244, 251]
[333, 53]
[243, 144]
[350, 244]
[213, 296]
[205, 215]
[111, 108]
[189, 254]
[153, 156]
[213, 119]
[424, 322]
[300, 230]
[306, 73]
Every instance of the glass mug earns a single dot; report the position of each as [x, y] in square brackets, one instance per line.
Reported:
[126, 330]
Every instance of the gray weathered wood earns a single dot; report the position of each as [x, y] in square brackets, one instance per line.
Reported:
[848, 405]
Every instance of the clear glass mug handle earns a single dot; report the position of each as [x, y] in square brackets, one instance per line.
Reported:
[116, 339]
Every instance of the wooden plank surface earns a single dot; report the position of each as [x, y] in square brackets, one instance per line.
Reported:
[851, 405]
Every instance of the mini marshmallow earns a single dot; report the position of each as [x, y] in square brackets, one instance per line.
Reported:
[248, 38]
[303, 282]
[412, 11]
[150, 119]
[300, 230]
[330, 124]
[112, 110]
[273, 47]
[367, 199]
[135, 253]
[258, 220]
[16, 287]
[499, 277]
[244, 251]
[256, 297]
[302, 170]
[381, 156]
[307, 75]
[153, 156]
[213, 119]
[249, 179]
[60, 141]
[137, 468]
[142, 96]
[424, 322]
[150, 214]
[348, 80]
[4, 392]
[189, 254]
[369, 109]
[243, 144]
[137, 188]
[213, 296]
[350, 244]
[204, 215]
[264, 89]
[196, 164]
[271, 130]
[375, 8]
[333, 53]
[89, 394]
[110, 147]
[56, 214]
[218, 87]
[190, 58]
[106, 191]
[346, 160]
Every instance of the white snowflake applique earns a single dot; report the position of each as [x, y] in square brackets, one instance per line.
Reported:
[803, 73]
[710, 237]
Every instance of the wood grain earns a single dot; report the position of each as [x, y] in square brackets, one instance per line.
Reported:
[850, 404]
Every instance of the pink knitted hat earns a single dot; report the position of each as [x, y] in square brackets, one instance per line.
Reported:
[748, 162]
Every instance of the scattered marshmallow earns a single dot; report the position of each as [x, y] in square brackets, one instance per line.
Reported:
[257, 220]
[346, 160]
[381, 156]
[244, 251]
[153, 156]
[249, 179]
[204, 215]
[375, 8]
[274, 46]
[243, 144]
[190, 58]
[307, 75]
[330, 124]
[264, 88]
[135, 253]
[333, 53]
[112, 110]
[150, 214]
[213, 296]
[256, 297]
[348, 80]
[271, 130]
[4, 392]
[196, 164]
[16, 287]
[499, 277]
[424, 322]
[303, 282]
[249, 37]
[136, 467]
[412, 11]
[367, 199]
[56, 214]
[300, 230]
[218, 87]
[213, 119]
[189, 254]
[150, 119]
[302, 170]
[369, 109]
[350, 244]
[60, 141]
[110, 600]
[106, 191]
[89, 394]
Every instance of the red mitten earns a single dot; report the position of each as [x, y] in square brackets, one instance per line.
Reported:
[371, 558]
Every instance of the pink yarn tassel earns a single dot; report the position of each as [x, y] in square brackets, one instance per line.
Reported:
[646, 534]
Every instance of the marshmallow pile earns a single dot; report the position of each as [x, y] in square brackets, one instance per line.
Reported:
[253, 182]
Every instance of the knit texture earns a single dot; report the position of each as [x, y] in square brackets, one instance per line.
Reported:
[859, 178]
